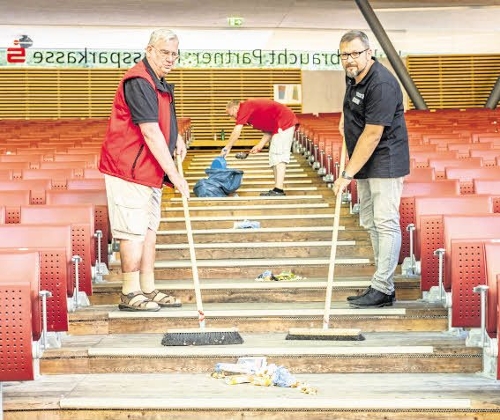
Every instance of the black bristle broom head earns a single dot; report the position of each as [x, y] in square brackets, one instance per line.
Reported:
[201, 337]
[324, 334]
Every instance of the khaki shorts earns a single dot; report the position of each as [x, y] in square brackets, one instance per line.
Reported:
[133, 208]
[281, 145]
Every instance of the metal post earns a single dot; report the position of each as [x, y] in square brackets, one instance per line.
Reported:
[76, 260]
[482, 289]
[411, 228]
[44, 295]
[440, 252]
[392, 55]
[98, 235]
[494, 97]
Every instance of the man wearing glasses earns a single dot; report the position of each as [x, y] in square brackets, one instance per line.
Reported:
[136, 154]
[376, 137]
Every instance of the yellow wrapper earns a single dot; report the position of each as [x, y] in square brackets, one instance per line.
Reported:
[238, 379]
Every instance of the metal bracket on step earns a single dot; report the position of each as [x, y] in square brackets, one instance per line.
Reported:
[437, 293]
[454, 331]
[410, 267]
[321, 168]
[44, 294]
[100, 267]
[490, 358]
[473, 339]
[329, 178]
[49, 339]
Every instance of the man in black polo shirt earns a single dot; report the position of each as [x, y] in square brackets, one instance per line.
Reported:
[374, 129]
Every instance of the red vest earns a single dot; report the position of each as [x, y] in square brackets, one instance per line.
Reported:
[124, 153]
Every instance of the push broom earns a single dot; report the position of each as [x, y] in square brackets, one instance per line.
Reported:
[325, 333]
[197, 336]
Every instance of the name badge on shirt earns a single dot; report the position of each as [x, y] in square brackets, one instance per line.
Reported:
[356, 100]
[360, 95]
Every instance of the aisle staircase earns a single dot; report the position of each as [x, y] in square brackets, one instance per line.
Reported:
[112, 365]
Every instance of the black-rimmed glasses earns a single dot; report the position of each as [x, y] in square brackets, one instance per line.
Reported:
[167, 54]
[353, 55]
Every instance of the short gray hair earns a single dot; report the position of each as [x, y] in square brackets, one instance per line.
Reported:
[162, 35]
[354, 34]
[232, 102]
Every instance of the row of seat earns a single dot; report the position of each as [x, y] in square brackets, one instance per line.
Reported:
[450, 207]
[54, 231]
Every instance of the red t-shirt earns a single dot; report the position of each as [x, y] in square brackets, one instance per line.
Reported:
[266, 115]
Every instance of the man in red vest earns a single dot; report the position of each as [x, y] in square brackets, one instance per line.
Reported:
[136, 155]
[277, 123]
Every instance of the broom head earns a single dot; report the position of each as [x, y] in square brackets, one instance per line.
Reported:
[336, 334]
[201, 337]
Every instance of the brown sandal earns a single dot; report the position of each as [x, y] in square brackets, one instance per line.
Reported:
[137, 302]
[164, 300]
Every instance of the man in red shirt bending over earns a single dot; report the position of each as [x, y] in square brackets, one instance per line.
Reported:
[277, 123]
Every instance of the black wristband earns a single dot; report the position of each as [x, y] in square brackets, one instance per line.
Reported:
[345, 176]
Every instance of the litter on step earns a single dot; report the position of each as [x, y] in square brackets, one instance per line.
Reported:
[247, 224]
[283, 276]
[256, 371]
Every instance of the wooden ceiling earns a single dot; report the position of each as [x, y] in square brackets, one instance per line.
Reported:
[482, 15]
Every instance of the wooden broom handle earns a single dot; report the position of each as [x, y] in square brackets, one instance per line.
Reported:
[192, 253]
[333, 252]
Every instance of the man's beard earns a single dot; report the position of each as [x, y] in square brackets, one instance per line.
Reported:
[355, 72]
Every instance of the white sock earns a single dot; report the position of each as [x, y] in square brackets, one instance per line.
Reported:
[131, 282]
[147, 282]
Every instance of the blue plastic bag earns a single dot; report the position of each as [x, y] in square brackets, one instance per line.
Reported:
[220, 183]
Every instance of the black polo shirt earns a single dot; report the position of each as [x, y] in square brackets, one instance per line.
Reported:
[378, 100]
[143, 103]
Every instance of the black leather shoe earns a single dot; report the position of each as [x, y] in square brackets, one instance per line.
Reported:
[373, 299]
[364, 292]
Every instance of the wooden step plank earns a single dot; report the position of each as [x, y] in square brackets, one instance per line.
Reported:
[258, 176]
[409, 396]
[248, 317]
[250, 290]
[251, 173]
[304, 222]
[292, 217]
[258, 262]
[248, 313]
[256, 235]
[292, 249]
[249, 199]
[255, 207]
[230, 245]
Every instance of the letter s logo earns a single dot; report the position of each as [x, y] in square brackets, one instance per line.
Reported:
[16, 55]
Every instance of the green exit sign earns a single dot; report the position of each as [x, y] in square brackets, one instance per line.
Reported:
[235, 21]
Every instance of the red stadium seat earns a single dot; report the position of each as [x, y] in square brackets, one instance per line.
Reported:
[21, 266]
[81, 219]
[16, 357]
[407, 206]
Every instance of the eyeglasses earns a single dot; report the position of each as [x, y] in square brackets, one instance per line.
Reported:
[353, 55]
[167, 54]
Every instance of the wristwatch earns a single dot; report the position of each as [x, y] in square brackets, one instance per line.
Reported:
[345, 176]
